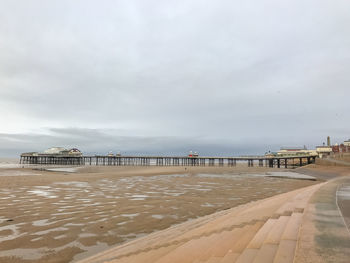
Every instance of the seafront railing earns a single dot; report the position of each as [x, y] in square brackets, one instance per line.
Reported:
[260, 161]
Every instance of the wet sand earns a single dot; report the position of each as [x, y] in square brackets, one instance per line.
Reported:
[57, 216]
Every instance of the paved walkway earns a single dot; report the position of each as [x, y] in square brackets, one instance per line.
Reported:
[343, 201]
[324, 236]
[290, 227]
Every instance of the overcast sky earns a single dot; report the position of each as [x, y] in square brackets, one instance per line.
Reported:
[218, 77]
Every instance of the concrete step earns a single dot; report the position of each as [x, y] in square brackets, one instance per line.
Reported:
[236, 249]
[213, 260]
[266, 253]
[225, 242]
[247, 255]
[292, 229]
[298, 202]
[145, 257]
[275, 234]
[261, 235]
[230, 257]
[191, 250]
[286, 251]
[269, 234]
[276, 240]
[247, 236]
[287, 246]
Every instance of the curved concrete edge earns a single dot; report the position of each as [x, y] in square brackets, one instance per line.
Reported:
[323, 236]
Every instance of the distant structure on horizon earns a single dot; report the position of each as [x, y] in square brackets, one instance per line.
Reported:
[58, 151]
[322, 151]
[330, 150]
[54, 155]
[292, 151]
[295, 151]
[73, 156]
[191, 154]
[63, 156]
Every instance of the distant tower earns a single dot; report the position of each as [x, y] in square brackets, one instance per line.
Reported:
[328, 141]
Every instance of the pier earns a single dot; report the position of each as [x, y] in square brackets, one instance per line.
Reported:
[106, 160]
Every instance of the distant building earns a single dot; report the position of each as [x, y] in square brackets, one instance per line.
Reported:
[270, 154]
[75, 152]
[292, 151]
[191, 154]
[58, 151]
[346, 146]
[324, 151]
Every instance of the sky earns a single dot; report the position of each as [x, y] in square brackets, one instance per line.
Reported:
[221, 77]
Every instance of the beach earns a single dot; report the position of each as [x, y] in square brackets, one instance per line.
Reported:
[307, 225]
[65, 215]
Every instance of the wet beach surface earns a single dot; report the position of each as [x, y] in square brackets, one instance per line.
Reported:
[61, 216]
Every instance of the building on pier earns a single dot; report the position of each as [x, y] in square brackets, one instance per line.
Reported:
[191, 154]
[293, 151]
[270, 154]
[75, 152]
[62, 151]
[110, 154]
[52, 155]
[56, 150]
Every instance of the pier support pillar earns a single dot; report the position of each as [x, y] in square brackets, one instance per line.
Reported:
[211, 162]
[250, 163]
[261, 163]
[221, 162]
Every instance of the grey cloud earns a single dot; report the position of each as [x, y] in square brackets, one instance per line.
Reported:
[100, 141]
[221, 71]
[93, 141]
